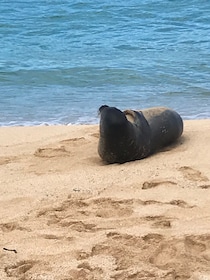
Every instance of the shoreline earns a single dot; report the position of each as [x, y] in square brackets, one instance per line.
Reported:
[70, 216]
[96, 121]
[198, 117]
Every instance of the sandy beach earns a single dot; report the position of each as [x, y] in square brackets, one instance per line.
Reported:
[64, 214]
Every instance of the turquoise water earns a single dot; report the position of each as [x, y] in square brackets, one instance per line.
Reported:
[60, 60]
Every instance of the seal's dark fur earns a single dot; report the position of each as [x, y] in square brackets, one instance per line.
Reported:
[122, 140]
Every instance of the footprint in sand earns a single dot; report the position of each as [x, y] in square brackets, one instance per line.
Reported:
[79, 226]
[194, 245]
[51, 152]
[192, 174]
[156, 183]
[164, 255]
[204, 187]
[62, 150]
[180, 203]
[160, 256]
[6, 160]
[153, 238]
[109, 208]
[57, 237]
[78, 214]
[85, 273]
[159, 221]
[19, 269]
[127, 250]
[7, 227]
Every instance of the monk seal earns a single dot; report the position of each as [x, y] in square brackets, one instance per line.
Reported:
[131, 135]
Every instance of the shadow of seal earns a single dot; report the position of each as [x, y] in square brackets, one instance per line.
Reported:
[131, 135]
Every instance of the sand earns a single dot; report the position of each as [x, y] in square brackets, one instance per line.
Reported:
[64, 214]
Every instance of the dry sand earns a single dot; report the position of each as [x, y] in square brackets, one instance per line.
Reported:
[64, 214]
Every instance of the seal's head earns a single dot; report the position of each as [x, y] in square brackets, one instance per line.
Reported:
[124, 136]
[112, 122]
[115, 137]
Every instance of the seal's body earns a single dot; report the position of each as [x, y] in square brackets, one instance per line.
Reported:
[131, 135]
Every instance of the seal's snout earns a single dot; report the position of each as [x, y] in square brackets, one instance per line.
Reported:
[112, 116]
[101, 108]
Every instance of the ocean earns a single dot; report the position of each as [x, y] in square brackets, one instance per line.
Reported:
[61, 60]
